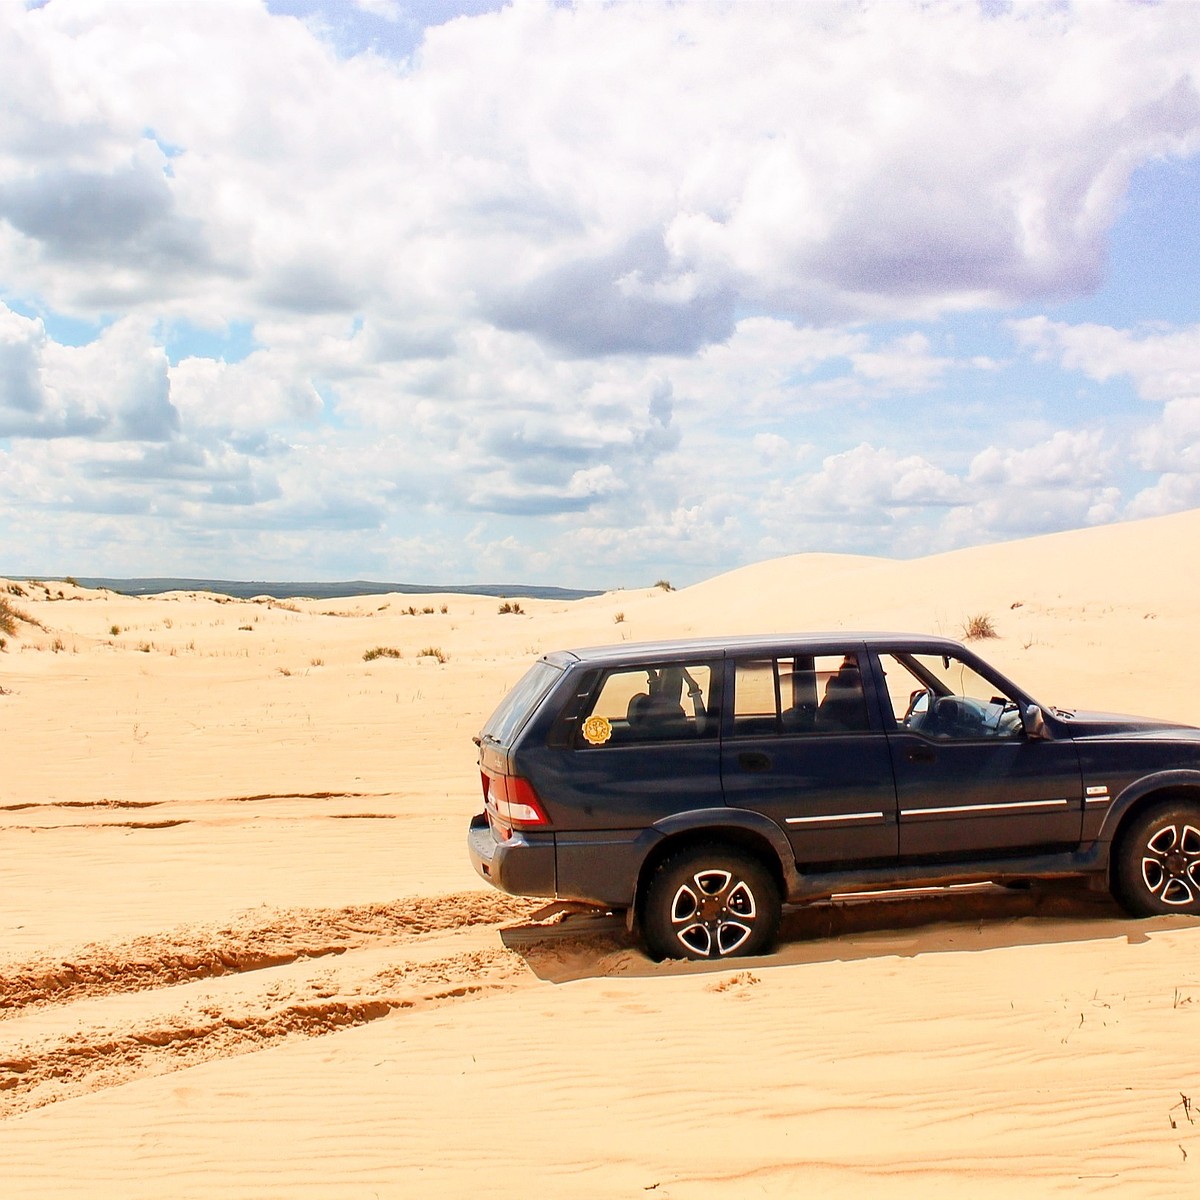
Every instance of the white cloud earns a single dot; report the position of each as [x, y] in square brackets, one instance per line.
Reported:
[389, 10]
[1173, 442]
[1163, 364]
[1067, 459]
[617, 188]
[266, 391]
[700, 536]
[1171, 493]
[903, 365]
[863, 480]
[915, 505]
[113, 388]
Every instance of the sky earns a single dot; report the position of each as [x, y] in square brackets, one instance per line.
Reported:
[589, 294]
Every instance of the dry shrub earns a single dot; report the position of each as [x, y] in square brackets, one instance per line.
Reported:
[978, 627]
[10, 617]
[381, 652]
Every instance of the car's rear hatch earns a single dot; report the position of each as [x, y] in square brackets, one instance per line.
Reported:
[509, 800]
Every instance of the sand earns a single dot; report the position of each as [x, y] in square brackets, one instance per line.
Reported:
[243, 953]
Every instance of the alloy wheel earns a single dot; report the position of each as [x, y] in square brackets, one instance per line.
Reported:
[713, 912]
[1171, 864]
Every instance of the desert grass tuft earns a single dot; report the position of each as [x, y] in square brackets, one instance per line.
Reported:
[381, 652]
[978, 627]
[433, 652]
[11, 617]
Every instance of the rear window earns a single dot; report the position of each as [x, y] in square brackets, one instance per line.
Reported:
[662, 702]
[502, 726]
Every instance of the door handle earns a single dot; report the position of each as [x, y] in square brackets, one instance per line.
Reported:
[753, 761]
[921, 754]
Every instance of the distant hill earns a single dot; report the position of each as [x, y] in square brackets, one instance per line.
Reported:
[244, 589]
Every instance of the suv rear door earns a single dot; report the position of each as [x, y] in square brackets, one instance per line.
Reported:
[636, 742]
[803, 743]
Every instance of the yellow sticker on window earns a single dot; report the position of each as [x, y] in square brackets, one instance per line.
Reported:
[597, 730]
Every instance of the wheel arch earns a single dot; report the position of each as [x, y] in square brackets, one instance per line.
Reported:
[1162, 788]
[748, 831]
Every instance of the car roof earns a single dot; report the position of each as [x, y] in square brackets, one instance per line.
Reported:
[704, 647]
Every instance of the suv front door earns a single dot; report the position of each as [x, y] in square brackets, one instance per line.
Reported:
[969, 781]
[803, 745]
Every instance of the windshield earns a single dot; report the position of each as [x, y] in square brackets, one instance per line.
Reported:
[502, 726]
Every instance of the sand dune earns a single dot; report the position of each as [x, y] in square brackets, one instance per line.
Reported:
[243, 952]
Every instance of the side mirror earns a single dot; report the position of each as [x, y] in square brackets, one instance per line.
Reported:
[1034, 722]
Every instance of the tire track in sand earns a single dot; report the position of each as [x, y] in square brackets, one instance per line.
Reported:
[162, 1003]
[163, 960]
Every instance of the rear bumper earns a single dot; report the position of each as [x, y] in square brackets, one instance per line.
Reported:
[521, 866]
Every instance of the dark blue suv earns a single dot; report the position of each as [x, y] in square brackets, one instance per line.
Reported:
[699, 785]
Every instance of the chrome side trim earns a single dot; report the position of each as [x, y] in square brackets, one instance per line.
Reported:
[863, 816]
[974, 808]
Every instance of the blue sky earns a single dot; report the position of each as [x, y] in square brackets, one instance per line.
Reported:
[588, 294]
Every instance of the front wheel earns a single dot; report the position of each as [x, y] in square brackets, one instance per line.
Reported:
[710, 902]
[1157, 864]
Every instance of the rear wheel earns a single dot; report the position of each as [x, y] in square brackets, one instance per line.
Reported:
[710, 902]
[1157, 864]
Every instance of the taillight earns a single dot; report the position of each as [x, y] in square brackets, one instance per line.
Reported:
[512, 800]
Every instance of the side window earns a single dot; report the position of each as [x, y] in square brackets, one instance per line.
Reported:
[942, 697]
[798, 694]
[652, 704]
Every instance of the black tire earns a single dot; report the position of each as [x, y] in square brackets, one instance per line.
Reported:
[1156, 864]
[710, 901]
